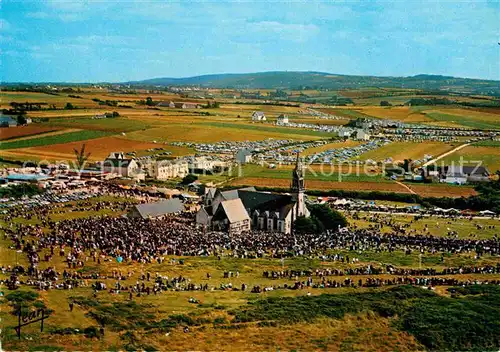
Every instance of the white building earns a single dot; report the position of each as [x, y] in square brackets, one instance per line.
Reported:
[167, 169]
[201, 163]
[362, 135]
[258, 116]
[282, 120]
[243, 156]
[116, 163]
[344, 132]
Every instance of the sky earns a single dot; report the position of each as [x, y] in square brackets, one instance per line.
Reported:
[118, 41]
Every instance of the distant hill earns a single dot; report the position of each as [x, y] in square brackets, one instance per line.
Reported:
[315, 80]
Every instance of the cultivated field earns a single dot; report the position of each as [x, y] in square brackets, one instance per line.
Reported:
[476, 155]
[399, 151]
[334, 145]
[22, 131]
[322, 185]
[99, 148]
[361, 184]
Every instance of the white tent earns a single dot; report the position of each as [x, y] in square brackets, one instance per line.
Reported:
[487, 212]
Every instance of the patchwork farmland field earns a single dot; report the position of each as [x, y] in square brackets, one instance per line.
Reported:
[119, 124]
[399, 113]
[57, 99]
[488, 156]
[334, 145]
[212, 132]
[23, 131]
[273, 129]
[426, 190]
[322, 185]
[55, 139]
[98, 147]
[465, 118]
[325, 173]
[399, 151]
[441, 190]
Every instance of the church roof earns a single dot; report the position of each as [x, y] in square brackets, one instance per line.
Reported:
[235, 211]
[263, 201]
[160, 208]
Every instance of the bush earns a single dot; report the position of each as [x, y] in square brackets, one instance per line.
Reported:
[440, 323]
[328, 218]
[189, 179]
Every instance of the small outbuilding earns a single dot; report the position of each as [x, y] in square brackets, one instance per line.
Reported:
[158, 209]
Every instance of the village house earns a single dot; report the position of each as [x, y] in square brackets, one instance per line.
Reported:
[362, 135]
[200, 164]
[258, 116]
[363, 123]
[344, 132]
[203, 164]
[167, 169]
[265, 211]
[282, 120]
[460, 174]
[179, 105]
[243, 156]
[116, 163]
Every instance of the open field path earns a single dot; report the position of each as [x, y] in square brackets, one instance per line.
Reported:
[405, 186]
[446, 154]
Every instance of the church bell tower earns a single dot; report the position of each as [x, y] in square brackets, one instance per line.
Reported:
[298, 188]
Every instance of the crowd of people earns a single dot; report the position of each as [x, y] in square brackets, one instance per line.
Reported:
[148, 241]
[389, 270]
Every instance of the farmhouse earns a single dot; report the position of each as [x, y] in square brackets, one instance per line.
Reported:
[243, 156]
[363, 123]
[344, 132]
[462, 174]
[282, 120]
[258, 116]
[158, 209]
[362, 135]
[178, 105]
[167, 169]
[230, 210]
[117, 163]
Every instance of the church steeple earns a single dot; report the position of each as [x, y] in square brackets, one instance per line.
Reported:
[298, 187]
[298, 176]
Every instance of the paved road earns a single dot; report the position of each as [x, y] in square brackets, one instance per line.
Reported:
[446, 154]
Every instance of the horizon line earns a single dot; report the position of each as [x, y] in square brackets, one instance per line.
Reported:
[241, 73]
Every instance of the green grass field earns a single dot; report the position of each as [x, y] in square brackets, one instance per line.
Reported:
[267, 128]
[328, 174]
[477, 154]
[120, 124]
[308, 319]
[487, 143]
[56, 139]
[467, 121]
